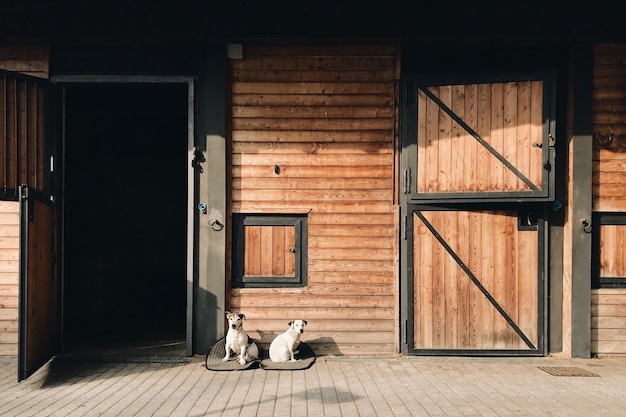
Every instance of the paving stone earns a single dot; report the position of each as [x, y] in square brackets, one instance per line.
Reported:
[335, 387]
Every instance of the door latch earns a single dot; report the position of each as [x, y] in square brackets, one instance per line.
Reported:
[586, 225]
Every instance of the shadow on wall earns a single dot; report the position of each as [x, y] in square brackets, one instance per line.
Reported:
[205, 328]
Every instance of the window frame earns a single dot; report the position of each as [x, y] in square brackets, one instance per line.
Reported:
[598, 281]
[299, 222]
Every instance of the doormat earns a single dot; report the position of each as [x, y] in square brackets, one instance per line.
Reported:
[566, 371]
[305, 359]
[213, 359]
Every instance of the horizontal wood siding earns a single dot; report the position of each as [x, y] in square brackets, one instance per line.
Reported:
[609, 116]
[9, 278]
[27, 59]
[608, 308]
[313, 132]
[608, 321]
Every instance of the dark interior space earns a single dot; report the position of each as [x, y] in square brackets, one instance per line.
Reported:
[125, 221]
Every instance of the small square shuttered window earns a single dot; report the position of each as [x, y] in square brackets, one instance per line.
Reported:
[269, 250]
[609, 253]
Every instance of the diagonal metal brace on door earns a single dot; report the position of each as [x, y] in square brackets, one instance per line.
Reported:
[480, 140]
[475, 280]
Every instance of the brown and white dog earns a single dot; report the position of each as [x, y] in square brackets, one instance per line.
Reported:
[282, 348]
[237, 340]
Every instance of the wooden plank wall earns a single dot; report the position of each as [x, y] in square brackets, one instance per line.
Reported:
[608, 321]
[608, 308]
[609, 115]
[326, 117]
[9, 276]
[27, 59]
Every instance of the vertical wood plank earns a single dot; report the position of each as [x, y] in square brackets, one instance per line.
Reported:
[463, 250]
[424, 270]
[487, 279]
[510, 134]
[475, 298]
[439, 284]
[266, 248]
[451, 277]
[500, 278]
[509, 259]
[431, 160]
[290, 257]
[423, 174]
[536, 132]
[523, 145]
[444, 141]
[457, 143]
[470, 155]
[528, 247]
[279, 249]
[252, 251]
[483, 128]
[496, 138]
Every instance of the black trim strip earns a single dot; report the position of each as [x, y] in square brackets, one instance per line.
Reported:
[476, 136]
[475, 280]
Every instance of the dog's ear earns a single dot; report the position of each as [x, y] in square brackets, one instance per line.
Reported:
[242, 316]
[290, 323]
[305, 323]
[228, 313]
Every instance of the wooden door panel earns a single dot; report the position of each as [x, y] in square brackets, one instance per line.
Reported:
[39, 329]
[486, 140]
[269, 251]
[22, 122]
[475, 281]
[466, 149]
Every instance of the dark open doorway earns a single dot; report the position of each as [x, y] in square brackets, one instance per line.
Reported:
[124, 215]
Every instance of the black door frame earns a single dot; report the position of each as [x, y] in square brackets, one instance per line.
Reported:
[410, 200]
[191, 177]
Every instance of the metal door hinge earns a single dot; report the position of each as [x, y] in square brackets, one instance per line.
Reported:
[407, 181]
[405, 225]
[408, 92]
[406, 331]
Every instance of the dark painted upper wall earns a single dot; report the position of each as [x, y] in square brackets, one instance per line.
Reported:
[141, 22]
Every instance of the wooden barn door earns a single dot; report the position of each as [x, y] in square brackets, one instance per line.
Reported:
[478, 169]
[40, 329]
[26, 169]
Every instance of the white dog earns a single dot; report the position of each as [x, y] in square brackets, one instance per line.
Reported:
[282, 348]
[237, 340]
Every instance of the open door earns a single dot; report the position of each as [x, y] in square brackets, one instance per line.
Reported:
[26, 151]
[39, 327]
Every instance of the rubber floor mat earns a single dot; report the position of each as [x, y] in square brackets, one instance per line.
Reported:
[213, 359]
[566, 371]
[305, 356]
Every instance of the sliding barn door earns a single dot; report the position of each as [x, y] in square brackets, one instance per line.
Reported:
[478, 171]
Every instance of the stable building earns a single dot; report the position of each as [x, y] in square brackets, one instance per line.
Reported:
[406, 188]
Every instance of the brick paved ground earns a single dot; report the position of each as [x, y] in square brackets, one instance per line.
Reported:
[332, 387]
